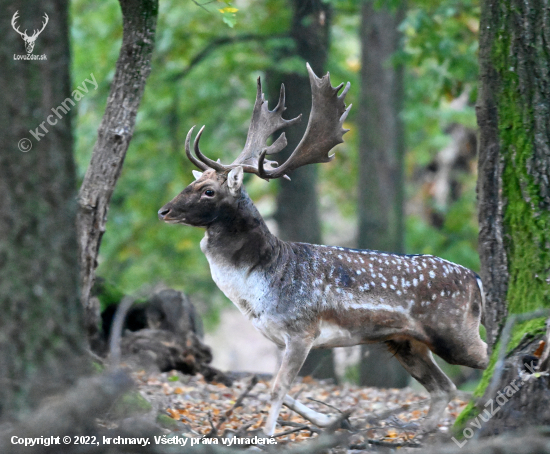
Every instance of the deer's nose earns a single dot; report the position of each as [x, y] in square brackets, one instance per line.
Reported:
[163, 212]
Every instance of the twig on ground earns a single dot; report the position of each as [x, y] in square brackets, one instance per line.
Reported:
[215, 430]
[390, 444]
[374, 418]
[242, 431]
[296, 429]
[341, 422]
[319, 419]
[326, 404]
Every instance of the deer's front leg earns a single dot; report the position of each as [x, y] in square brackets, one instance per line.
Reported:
[295, 354]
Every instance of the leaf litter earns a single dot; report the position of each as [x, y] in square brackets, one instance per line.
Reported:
[386, 417]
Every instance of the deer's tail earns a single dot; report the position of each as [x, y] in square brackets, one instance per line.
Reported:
[480, 286]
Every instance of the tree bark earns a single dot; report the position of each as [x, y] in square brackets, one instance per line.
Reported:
[514, 192]
[381, 150]
[41, 323]
[492, 253]
[297, 213]
[114, 135]
[514, 177]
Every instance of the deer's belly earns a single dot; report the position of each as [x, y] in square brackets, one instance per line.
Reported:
[333, 335]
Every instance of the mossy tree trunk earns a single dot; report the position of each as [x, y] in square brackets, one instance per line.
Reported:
[381, 150]
[513, 113]
[297, 213]
[41, 336]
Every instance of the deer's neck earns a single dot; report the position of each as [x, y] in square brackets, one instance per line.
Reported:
[240, 238]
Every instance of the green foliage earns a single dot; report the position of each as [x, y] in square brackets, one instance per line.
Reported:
[456, 240]
[205, 74]
[441, 44]
[107, 293]
[440, 58]
[352, 374]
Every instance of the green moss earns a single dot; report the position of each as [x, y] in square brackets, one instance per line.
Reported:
[469, 412]
[166, 422]
[129, 404]
[525, 223]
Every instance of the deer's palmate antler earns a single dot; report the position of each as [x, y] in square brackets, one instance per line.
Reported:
[324, 131]
[303, 296]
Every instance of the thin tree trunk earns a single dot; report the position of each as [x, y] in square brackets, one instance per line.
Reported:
[114, 135]
[41, 339]
[381, 150]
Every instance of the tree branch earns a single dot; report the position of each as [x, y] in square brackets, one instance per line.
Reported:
[222, 41]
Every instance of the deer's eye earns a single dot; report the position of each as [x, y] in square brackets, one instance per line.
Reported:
[209, 193]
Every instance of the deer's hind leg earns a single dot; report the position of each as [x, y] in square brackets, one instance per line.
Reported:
[417, 359]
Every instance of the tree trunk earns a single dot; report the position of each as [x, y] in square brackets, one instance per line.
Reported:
[114, 135]
[297, 212]
[513, 113]
[41, 324]
[381, 150]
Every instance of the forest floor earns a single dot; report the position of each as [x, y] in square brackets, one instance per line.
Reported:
[378, 417]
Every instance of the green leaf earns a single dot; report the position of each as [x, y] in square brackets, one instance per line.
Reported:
[230, 19]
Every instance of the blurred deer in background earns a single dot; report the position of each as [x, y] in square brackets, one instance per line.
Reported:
[303, 296]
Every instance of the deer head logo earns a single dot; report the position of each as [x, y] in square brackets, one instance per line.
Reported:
[29, 40]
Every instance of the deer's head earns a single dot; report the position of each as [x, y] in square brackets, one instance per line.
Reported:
[213, 195]
[29, 40]
[217, 190]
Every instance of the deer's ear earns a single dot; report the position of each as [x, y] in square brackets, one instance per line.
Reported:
[235, 181]
[196, 174]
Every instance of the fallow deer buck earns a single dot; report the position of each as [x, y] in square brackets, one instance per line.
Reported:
[303, 296]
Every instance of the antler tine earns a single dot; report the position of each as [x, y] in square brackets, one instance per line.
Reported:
[263, 124]
[209, 163]
[324, 129]
[190, 156]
